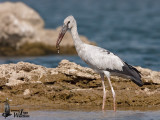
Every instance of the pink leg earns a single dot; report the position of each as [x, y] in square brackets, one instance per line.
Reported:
[104, 91]
[113, 93]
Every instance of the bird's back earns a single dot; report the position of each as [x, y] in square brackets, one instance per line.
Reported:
[101, 60]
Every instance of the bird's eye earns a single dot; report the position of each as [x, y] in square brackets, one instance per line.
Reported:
[68, 23]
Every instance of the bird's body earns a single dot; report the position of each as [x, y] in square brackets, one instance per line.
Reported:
[100, 60]
[106, 60]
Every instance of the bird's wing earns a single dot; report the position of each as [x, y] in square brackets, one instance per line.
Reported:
[101, 58]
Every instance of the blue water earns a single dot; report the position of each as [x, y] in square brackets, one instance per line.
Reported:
[128, 28]
[89, 115]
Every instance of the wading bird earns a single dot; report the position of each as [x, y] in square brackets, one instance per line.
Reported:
[100, 60]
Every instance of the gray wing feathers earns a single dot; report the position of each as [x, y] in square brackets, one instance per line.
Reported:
[106, 59]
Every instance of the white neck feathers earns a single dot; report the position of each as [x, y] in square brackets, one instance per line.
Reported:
[76, 39]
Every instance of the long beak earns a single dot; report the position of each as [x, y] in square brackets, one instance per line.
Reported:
[61, 35]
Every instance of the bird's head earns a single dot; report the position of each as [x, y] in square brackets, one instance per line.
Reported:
[69, 23]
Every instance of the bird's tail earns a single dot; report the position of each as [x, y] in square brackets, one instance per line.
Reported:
[134, 74]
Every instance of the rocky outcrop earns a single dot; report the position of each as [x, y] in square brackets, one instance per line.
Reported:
[149, 76]
[72, 84]
[22, 32]
[18, 22]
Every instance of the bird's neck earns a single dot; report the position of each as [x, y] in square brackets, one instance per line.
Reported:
[77, 41]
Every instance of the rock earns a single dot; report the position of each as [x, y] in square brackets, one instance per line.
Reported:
[18, 22]
[149, 76]
[70, 68]
[26, 92]
[22, 32]
[22, 12]
[72, 84]
[76, 71]
[25, 72]
[13, 30]
[21, 73]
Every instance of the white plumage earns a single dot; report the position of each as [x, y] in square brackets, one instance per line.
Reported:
[102, 61]
[106, 59]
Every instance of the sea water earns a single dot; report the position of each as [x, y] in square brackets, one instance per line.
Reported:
[87, 115]
[128, 28]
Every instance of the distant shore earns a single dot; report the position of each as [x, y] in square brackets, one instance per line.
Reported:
[22, 33]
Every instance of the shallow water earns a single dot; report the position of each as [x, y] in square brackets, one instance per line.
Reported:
[48, 61]
[89, 115]
[128, 28]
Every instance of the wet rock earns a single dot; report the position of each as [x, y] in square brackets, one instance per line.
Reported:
[22, 32]
[72, 84]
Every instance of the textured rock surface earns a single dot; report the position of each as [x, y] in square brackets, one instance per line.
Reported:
[150, 76]
[72, 84]
[21, 26]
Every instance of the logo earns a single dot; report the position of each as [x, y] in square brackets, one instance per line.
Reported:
[17, 113]
[20, 113]
[6, 109]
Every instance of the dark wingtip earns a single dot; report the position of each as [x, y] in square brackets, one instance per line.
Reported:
[135, 75]
[141, 85]
[138, 82]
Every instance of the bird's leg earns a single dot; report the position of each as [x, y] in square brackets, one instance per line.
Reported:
[104, 91]
[113, 93]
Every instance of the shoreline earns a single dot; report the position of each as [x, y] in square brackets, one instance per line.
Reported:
[76, 108]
